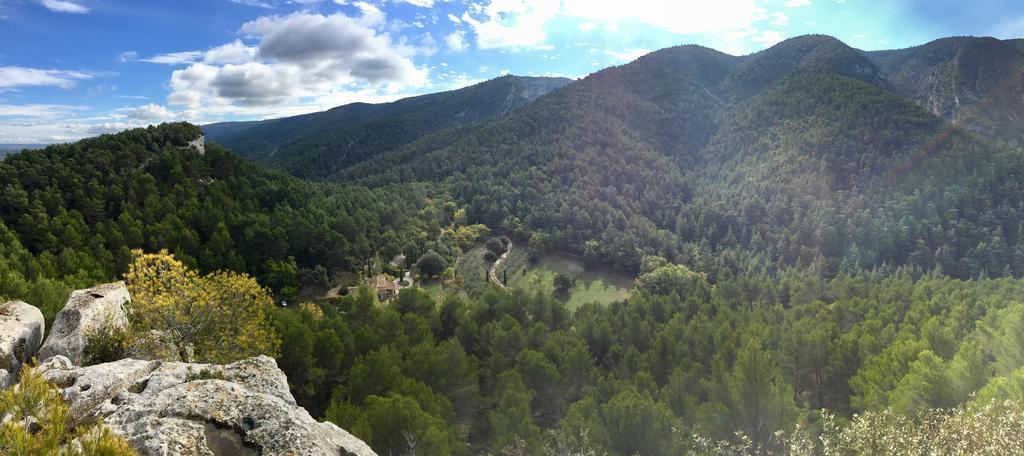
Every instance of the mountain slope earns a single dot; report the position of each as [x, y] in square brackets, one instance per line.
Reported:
[976, 82]
[801, 154]
[75, 211]
[317, 145]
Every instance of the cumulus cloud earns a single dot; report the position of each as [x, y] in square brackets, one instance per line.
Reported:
[62, 6]
[300, 55]
[13, 77]
[233, 52]
[511, 23]
[456, 41]
[150, 111]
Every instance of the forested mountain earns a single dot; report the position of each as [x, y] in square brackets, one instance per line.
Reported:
[318, 145]
[809, 152]
[70, 215]
[828, 247]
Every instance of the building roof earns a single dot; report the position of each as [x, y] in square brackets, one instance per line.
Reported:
[382, 283]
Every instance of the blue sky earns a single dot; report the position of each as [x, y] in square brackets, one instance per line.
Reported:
[74, 68]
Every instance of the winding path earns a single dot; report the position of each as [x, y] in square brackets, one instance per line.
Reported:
[493, 273]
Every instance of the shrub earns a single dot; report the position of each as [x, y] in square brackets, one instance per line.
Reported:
[106, 343]
[220, 317]
[204, 374]
[39, 422]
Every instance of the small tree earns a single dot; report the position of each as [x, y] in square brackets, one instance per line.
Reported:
[564, 282]
[220, 317]
[431, 263]
[495, 245]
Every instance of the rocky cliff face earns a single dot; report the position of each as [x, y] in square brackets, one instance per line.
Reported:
[975, 82]
[165, 408]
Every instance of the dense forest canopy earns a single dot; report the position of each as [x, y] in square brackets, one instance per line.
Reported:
[823, 261]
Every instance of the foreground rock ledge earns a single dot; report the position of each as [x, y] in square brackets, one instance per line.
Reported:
[21, 333]
[172, 408]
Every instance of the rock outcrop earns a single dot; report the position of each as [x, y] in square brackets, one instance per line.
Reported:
[199, 143]
[85, 311]
[172, 408]
[21, 333]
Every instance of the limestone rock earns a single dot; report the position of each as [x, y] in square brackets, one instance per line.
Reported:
[172, 408]
[21, 333]
[199, 143]
[85, 311]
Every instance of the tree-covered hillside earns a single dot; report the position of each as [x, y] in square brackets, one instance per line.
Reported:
[318, 145]
[71, 214]
[801, 154]
[824, 264]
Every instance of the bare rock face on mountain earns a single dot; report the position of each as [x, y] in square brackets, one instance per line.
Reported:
[85, 311]
[172, 408]
[21, 332]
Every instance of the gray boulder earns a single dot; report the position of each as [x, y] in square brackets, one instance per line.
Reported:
[21, 332]
[85, 311]
[172, 408]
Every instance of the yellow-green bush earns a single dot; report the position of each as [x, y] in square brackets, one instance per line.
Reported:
[40, 424]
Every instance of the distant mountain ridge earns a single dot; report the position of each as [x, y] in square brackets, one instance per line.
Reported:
[809, 151]
[6, 149]
[320, 144]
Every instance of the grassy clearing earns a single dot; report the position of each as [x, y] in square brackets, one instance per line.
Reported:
[593, 284]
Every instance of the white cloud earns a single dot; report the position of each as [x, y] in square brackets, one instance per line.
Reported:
[371, 15]
[150, 111]
[627, 55]
[779, 19]
[511, 23]
[767, 38]
[420, 3]
[62, 6]
[683, 17]
[524, 23]
[12, 77]
[256, 3]
[797, 3]
[456, 41]
[233, 52]
[174, 58]
[36, 110]
[300, 57]
[127, 56]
